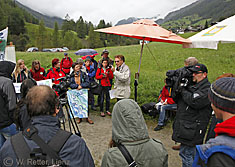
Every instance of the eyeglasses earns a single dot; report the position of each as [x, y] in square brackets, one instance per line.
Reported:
[117, 61]
[198, 72]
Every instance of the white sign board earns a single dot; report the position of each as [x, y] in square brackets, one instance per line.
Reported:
[47, 82]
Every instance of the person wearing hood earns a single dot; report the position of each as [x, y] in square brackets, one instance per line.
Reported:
[7, 101]
[220, 151]
[129, 129]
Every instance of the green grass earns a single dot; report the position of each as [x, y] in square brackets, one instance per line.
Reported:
[152, 73]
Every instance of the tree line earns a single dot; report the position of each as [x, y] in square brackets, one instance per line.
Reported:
[26, 31]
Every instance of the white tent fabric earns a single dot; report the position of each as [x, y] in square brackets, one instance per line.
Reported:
[209, 38]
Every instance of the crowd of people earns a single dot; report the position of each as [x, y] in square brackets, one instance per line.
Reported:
[33, 121]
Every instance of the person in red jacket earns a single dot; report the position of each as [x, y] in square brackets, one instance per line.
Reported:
[104, 74]
[37, 72]
[167, 103]
[66, 64]
[55, 73]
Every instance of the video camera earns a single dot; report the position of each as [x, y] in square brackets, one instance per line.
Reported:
[176, 79]
[63, 86]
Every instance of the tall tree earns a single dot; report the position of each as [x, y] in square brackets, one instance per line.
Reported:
[69, 39]
[103, 36]
[94, 39]
[41, 35]
[56, 36]
[16, 22]
[67, 25]
[81, 28]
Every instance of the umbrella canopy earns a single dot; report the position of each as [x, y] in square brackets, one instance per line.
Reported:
[145, 29]
[84, 57]
[86, 52]
[209, 38]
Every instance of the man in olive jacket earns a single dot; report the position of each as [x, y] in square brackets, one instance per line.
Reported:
[129, 129]
[193, 114]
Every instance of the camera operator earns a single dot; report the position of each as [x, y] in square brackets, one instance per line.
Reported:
[193, 114]
[42, 106]
[190, 61]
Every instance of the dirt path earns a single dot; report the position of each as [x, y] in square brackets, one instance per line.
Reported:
[98, 135]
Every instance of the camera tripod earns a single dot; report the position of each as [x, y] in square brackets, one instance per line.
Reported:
[63, 100]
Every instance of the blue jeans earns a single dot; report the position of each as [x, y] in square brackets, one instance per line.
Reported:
[187, 154]
[163, 109]
[6, 133]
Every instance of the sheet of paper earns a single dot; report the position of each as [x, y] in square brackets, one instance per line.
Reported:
[47, 82]
[112, 93]
[17, 87]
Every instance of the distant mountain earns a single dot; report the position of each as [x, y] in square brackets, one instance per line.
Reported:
[127, 21]
[48, 21]
[214, 10]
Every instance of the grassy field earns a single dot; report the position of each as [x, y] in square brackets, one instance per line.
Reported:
[153, 68]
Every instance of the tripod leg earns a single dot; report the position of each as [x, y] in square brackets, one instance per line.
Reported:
[69, 119]
[76, 129]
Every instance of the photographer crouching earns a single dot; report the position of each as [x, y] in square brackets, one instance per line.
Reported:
[193, 111]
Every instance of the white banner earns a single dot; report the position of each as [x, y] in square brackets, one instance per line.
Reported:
[3, 42]
[47, 82]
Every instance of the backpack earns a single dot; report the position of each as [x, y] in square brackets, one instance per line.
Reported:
[149, 108]
[45, 155]
[63, 61]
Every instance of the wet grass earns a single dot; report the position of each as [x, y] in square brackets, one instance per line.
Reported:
[153, 68]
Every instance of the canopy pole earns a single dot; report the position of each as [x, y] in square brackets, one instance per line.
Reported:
[137, 74]
[141, 53]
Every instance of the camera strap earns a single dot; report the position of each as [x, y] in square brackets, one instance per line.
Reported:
[50, 149]
[131, 162]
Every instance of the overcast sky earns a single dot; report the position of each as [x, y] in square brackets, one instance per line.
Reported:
[109, 10]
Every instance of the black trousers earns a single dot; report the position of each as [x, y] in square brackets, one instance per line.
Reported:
[105, 92]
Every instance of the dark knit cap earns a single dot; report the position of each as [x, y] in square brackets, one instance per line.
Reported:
[222, 94]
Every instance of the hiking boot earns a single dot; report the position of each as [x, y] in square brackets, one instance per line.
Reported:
[176, 147]
[89, 121]
[159, 127]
